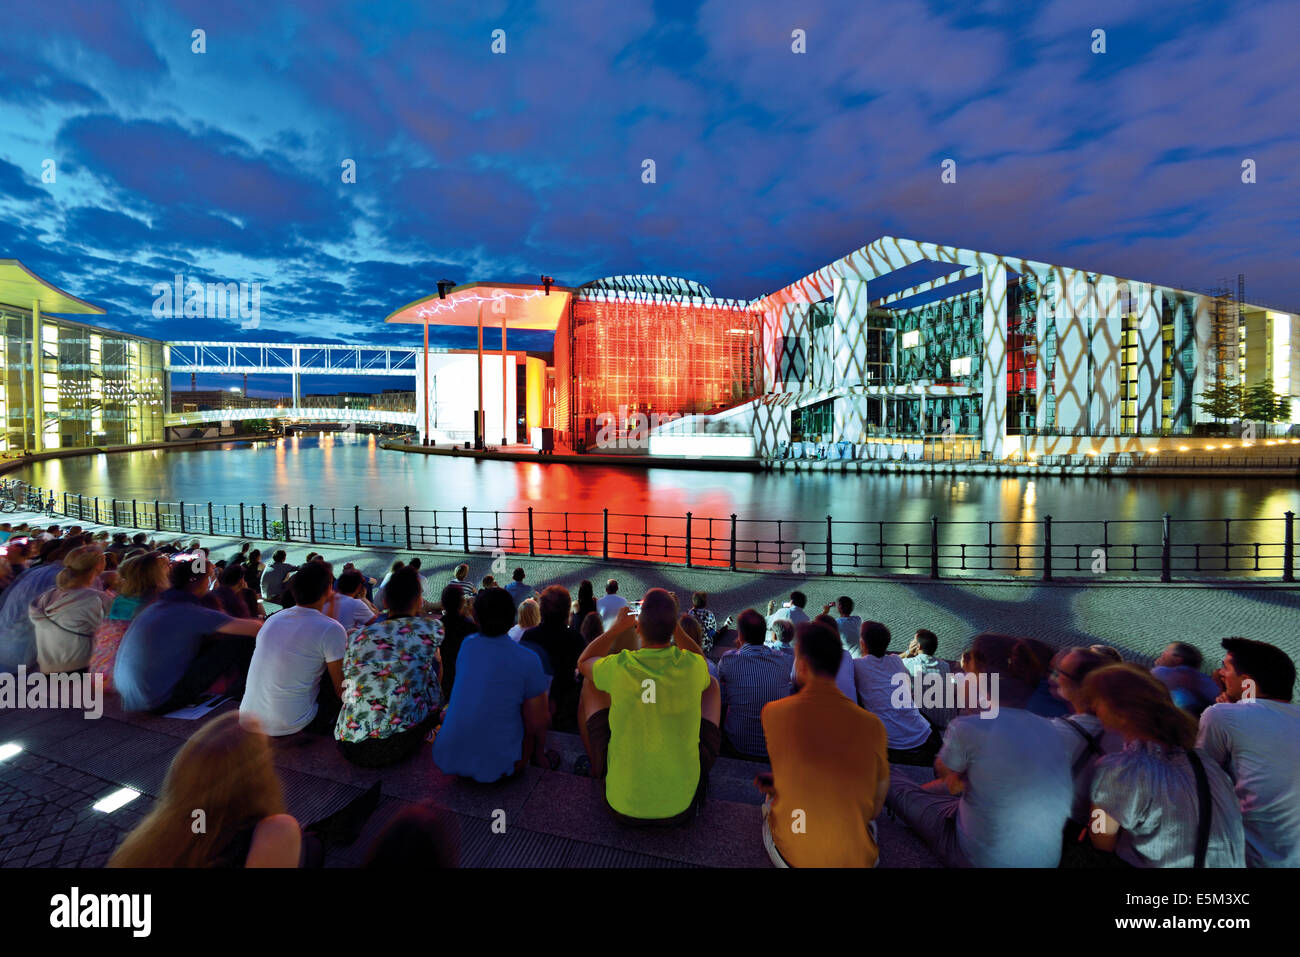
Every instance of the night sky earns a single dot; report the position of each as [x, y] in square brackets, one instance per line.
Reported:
[226, 165]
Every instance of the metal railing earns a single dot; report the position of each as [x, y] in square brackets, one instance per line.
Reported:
[1165, 548]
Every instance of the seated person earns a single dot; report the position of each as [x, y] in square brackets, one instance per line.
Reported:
[226, 770]
[781, 637]
[175, 648]
[498, 714]
[391, 695]
[456, 627]
[649, 714]
[884, 687]
[1031, 661]
[1179, 669]
[348, 605]
[1147, 799]
[828, 766]
[919, 658]
[1003, 789]
[294, 649]
[1253, 733]
[748, 680]
[559, 646]
[845, 680]
[65, 617]
[847, 624]
[1082, 734]
[708, 623]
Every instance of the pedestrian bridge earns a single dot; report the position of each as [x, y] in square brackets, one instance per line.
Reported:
[294, 413]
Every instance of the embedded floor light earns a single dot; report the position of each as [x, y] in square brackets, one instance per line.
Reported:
[117, 799]
[7, 751]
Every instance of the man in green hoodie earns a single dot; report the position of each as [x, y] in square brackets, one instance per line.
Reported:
[650, 713]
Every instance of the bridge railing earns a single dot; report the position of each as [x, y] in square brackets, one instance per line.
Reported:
[1259, 548]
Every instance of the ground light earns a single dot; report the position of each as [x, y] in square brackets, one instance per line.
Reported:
[7, 751]
[117, 799]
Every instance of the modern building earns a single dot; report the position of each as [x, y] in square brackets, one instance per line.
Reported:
[899, 339]
[70, 385]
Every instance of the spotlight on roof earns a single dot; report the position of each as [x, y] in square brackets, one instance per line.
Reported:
[546, 284]
[443, 286]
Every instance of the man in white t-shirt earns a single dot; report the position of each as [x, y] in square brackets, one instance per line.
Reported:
[608, 606]
[1253, 733]
[294, 649]
[348, 605]
[889, 698]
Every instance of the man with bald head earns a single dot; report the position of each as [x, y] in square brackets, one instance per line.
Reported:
[649, 714]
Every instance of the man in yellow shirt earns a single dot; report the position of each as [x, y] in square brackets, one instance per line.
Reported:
[649, 714]
[829, 771]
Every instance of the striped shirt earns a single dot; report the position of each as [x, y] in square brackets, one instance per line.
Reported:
[1151, 793]
[750, 677]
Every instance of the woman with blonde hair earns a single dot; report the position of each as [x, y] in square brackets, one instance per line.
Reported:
[1158, 802]
[530, 616]
[65, 617]
[225, 771]
[140, 579]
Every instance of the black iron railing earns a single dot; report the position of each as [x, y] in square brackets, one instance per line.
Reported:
[1164, 548]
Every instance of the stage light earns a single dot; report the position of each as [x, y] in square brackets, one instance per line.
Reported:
[546, 284]
[7, 751]
[443, 286]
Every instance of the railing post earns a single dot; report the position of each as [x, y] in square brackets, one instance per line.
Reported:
[531, 547]
[265, 534]
[464, 527]
[65, 499]
[829, 547]
[1166, 549]
[113, 513]
[135, 515]
[1047, 548]
[688, 539]
[241, 519]
[604, 535]
[406, 515]
[934, 546]
[212, 528]
[157, 517]
[311, 523]
[284, 520]
[1288, 548]
[182, 504]
[356, 524]
[96, 518]
[733, 541]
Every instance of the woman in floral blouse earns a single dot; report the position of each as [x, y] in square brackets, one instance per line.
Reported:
[391, 670]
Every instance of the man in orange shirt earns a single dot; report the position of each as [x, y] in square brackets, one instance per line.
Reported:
[829, 771]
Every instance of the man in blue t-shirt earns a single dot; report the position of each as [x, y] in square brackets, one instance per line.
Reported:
[499, 712]
[175, 648]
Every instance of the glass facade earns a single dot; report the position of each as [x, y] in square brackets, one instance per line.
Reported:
[658, 355]
[84, 387]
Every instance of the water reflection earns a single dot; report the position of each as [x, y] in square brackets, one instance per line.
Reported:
[341, 470]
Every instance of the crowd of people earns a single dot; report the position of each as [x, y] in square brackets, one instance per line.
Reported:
[1066, 757]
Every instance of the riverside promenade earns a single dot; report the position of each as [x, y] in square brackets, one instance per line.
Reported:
[556, 818]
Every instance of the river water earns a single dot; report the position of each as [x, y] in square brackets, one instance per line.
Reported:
[344, 470]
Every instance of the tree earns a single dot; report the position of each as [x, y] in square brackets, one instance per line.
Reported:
[1222, 401]
[1262, 404]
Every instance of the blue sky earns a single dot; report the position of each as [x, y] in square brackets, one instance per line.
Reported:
[226, 165]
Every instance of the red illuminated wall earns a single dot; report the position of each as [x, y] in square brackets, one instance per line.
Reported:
[659, 356]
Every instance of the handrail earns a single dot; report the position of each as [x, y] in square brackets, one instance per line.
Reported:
[1254, 549]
